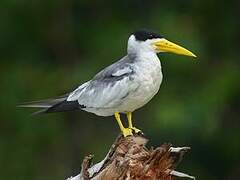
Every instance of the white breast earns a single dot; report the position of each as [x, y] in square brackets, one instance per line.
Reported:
[149, 77]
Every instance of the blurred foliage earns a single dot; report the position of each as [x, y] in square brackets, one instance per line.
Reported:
[49, 47]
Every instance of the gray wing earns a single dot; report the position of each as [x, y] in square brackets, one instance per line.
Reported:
[108, 88]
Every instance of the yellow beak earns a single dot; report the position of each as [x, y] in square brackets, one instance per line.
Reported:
[164, 45]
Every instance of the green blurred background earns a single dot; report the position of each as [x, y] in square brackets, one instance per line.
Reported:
[49, 47]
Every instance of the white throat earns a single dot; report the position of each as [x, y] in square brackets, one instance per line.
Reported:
[136, 47]
[143, 51]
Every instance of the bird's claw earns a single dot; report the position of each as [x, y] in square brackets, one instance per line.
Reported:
[127, 132]
[136, 130]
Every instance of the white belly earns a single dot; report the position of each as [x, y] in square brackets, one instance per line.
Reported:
[149, 77]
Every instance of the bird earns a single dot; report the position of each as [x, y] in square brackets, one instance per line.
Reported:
[122, 87]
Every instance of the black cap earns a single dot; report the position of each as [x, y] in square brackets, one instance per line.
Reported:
[143, 35]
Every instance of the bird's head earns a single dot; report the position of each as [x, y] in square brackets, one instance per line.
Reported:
[147, 41]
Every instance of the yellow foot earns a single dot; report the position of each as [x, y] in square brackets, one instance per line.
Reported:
[136, 130]
[127, 132]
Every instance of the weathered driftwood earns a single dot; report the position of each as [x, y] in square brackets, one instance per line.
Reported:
[128, 158]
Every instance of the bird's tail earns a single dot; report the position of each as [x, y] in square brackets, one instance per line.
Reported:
[52, 105]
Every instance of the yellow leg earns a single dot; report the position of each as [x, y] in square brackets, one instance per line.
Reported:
[126, 131]
[129, 117]
[130, 125]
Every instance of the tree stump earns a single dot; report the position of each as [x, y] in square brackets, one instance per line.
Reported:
[129, 158]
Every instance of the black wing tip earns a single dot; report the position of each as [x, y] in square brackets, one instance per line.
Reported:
[64, 106]
[54, 105]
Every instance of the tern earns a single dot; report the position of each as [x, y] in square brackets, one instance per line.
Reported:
[122, 87]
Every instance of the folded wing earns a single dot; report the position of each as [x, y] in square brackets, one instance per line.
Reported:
[108, 88]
